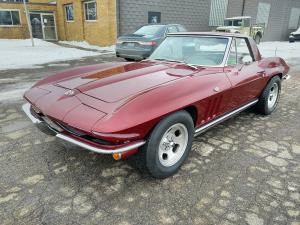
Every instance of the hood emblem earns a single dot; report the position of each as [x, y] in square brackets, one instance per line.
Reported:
[70, 93]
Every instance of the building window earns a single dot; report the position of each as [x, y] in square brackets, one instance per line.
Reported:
[90, 8]
[294, 18]
[263, 12]
[218, 12]
[154, 17]
[9, 17]
[69, 12]
[13, 1]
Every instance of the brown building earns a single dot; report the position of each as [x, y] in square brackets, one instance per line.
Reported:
[13, 23]
[91, 20]
[73, 20]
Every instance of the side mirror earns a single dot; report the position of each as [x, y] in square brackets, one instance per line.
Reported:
[247, 59]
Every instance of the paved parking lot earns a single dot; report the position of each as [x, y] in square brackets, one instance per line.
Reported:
[244, 171]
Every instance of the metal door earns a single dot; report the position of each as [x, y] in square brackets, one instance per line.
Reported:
[49, 28]
[43, 26]
[36, 24]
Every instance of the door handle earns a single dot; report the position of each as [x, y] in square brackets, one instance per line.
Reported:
[262, 73]
[216, 89]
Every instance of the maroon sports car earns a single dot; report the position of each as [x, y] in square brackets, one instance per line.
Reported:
[155, 107]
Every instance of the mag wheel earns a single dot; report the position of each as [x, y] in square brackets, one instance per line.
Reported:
[173, 145]
[269, 98]
[273, 96]
[169, 144]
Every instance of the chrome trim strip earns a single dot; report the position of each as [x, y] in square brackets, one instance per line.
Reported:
[26, 109]
[99, 150]
[223, 118]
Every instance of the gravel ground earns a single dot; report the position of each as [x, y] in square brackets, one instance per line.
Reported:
[244, 171]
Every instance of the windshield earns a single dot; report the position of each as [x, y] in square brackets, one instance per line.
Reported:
[236, 23]
[208, 51]
[148, 30]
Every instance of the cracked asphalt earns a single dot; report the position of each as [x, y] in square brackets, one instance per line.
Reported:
[244, 171]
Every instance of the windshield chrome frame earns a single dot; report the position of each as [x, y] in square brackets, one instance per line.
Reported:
[226, 52]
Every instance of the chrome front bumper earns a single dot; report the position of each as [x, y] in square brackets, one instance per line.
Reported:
[44, 127]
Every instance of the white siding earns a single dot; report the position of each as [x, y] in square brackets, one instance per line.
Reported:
[263, 12]
[218, 12]
[294, 18]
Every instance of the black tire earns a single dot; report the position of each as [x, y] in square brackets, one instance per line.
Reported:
[129, 59]
[150, 151]
[263, 105]
[257, 39]
[291, 40]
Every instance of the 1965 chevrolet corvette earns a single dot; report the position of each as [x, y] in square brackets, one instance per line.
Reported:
[155, 107]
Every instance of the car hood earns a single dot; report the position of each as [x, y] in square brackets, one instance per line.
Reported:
[120, 82]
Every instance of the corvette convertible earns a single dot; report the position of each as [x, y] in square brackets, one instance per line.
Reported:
[154, 108]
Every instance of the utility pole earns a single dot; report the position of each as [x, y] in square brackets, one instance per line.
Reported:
[28, 22]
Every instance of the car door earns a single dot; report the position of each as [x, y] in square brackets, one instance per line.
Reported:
[244, 73]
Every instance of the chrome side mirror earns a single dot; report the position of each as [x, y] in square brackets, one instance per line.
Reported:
[247, 59]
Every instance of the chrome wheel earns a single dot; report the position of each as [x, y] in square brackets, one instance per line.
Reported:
[273, 96]
[173, 145]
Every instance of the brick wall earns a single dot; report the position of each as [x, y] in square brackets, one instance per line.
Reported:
[21, 31]
[277, 29]
[193, 14]
[101, 32]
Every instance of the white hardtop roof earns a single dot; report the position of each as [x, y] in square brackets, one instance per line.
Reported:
[238, 18]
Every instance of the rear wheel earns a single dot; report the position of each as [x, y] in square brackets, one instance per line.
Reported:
[257, 38]
[169, 144]
[269, 98]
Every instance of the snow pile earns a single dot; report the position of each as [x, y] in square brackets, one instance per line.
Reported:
[285, 50]
[84, 44]
[18, 53]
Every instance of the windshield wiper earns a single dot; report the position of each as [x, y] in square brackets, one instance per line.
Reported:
[179, 61]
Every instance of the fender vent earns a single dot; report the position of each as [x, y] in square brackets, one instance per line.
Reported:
[213, 108]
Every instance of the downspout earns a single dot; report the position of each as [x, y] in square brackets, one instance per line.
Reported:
[243, 8]
[118, 18]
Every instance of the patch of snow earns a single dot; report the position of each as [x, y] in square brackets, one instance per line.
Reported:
[84, 44]
[287, 51]
[18, 53]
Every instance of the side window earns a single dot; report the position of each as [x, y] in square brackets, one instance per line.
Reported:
[69, 12]
[172, 29]
[232, 58]
[242, 50]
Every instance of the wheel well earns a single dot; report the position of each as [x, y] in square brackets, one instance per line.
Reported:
[259, 34]
[279, 74]
[192, 110]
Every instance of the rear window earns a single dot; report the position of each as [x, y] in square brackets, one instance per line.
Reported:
[149, 30]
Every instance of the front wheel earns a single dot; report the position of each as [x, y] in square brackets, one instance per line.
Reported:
[269, 98]
[169, 144]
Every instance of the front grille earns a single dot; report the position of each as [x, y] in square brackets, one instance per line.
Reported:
[83, 135]
[66, 128]
[35, 114]
[72, 130]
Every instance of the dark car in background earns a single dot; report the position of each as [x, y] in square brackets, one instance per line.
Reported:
[141, 43]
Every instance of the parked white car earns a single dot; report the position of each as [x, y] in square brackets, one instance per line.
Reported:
[294, 36]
